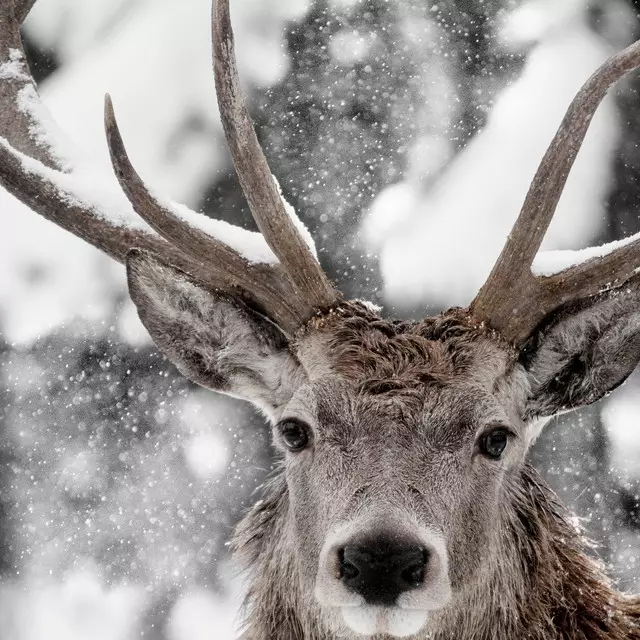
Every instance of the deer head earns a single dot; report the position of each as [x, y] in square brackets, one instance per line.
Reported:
[403, 444]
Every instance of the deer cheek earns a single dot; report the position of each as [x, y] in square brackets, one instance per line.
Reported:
[305, 511]
[471, 542]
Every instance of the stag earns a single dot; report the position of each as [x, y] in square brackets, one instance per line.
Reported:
[404, 506]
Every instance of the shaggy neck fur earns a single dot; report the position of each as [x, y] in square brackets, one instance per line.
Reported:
[540, 583]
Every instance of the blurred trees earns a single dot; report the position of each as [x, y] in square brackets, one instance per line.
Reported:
[107, 454]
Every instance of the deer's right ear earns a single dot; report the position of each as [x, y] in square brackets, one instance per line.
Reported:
[214, 339]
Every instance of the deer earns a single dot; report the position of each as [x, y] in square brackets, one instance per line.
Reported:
[404, 505]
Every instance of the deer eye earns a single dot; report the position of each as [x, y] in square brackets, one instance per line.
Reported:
[295, 434]
[494, 442]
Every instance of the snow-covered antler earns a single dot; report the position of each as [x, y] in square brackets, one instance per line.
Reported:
[513, 300]
[33, 170]
[261, 191]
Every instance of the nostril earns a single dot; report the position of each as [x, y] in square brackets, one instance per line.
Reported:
[413, 575]
[380, 569]
[348, 571]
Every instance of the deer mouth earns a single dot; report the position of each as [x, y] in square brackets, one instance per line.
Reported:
[383, 581]
[371, 620]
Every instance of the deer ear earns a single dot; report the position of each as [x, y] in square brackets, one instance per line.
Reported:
[214, 339]
[583, 352]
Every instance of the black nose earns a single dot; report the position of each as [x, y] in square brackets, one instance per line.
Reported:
[381, 568]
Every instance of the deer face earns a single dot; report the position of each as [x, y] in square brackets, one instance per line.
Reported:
[395, 497]
[402, 443]
[397, 460]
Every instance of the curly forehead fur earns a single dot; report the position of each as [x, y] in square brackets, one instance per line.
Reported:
[393, 355]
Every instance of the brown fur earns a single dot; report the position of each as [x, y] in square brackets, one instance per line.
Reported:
[546, 585]
[543, 584]
[396, 414]
[363, 346]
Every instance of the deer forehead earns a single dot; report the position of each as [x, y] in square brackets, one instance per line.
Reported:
[336, 405]
[365, 348]
[368, 370]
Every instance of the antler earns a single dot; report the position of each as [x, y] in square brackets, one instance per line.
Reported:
[31, 170]
[513, 300]
[258, 185]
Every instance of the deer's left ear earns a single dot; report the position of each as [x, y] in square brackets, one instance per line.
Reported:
[583, 352]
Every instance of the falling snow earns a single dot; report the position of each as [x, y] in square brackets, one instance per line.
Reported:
[404, 135]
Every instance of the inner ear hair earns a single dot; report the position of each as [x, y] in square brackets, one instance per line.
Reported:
[213, 337]
[139, 261]
[583, 351]
[564, 314]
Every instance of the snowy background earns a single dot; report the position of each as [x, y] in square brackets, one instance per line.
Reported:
[405, 134]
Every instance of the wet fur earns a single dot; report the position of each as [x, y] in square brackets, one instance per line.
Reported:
[544, 585]
[533, 576]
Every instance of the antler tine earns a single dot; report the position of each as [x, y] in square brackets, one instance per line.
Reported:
[593, 276]
[264, 281]
[256, 179]
[189, 239]
[16, 122]
[25, 142]
[512, 300]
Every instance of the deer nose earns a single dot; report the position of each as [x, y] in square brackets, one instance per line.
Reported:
[380, 569]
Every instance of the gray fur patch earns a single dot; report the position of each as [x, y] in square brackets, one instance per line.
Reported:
[584, 352]
[214, 339]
